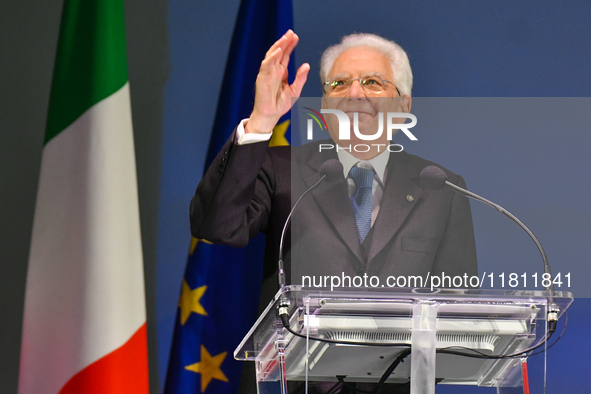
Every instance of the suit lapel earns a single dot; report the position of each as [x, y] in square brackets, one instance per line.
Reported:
[333, 198]
[395, 206]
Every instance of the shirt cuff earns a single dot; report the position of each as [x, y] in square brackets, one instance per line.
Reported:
[244, 138]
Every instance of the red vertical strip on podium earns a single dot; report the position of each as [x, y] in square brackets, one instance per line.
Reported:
[524, 376]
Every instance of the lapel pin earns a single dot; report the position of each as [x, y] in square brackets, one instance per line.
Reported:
[410, 198]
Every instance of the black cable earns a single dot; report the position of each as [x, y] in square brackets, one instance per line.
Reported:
[393, 366]
[351, 387]
[481, 355]
[557, 339]
[286, 325]
[514, 355]
[332, 390]
[399, 359]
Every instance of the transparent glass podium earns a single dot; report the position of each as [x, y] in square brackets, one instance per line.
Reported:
[366, 332]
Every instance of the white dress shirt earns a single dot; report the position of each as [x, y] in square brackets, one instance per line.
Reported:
[243, 138]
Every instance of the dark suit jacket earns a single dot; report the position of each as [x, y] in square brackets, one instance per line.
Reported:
[251, 188]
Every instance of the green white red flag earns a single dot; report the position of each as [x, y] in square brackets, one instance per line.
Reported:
[84, 327]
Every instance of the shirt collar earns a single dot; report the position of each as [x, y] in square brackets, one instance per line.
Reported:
[378, 163]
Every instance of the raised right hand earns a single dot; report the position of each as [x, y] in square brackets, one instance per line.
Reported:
[273, 94]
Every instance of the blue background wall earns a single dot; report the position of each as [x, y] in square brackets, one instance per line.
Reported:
[457, 49]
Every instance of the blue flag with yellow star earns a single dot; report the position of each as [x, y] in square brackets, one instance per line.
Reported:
[218, 305]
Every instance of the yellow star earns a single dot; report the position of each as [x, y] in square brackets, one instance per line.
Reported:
[209, 368]
[278, 137]
[189, 301]
[194, 242]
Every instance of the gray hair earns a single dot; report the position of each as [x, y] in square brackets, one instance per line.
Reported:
[397, 56]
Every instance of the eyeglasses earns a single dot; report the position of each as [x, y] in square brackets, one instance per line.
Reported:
[371, 85]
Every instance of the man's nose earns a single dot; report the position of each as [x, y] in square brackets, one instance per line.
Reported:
[356, 89]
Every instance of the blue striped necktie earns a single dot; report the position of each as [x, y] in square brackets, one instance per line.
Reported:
[361, 200]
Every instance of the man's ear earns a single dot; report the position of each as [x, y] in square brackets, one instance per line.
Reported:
[405, 106]
[406, 103]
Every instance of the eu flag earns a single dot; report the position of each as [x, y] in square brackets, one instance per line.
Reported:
[218, 304]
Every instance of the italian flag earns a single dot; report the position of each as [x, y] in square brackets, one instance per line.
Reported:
[84, 327]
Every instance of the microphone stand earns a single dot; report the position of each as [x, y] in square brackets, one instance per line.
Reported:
[552, 306]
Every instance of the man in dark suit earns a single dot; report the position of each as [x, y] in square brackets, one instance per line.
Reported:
[404, 229]
[377, 219]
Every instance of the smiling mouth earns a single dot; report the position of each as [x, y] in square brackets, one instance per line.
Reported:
[351, 112]
[362, 109]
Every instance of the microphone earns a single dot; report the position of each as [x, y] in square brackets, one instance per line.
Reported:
[435, 178]
[330, 170]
